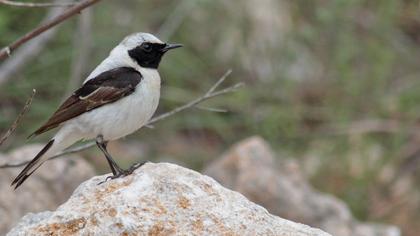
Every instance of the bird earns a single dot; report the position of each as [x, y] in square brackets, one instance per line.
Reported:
[118, 97]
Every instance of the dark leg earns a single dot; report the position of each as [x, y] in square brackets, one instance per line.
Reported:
[123, 172]
[112, 164]
[103, 147]
[116, 170]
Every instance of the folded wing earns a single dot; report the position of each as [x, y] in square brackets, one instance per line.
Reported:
[108, 87]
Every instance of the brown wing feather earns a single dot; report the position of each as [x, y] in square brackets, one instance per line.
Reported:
[75, 105]
[105, 88]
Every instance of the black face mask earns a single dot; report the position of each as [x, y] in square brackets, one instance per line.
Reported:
[148, 55]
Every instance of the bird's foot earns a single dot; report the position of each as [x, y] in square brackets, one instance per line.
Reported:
[123, 173]
[135, 167]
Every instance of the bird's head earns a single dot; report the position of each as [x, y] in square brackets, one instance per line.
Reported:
[146, 49]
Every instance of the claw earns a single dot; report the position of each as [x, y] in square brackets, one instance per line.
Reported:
[135, 167]
[123, 173]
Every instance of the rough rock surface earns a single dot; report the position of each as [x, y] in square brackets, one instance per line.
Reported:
[250, 169]
[158, 199]
[46, 189]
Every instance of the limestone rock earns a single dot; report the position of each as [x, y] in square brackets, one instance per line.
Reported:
[48, 187]
[250, 168]
[158, 199]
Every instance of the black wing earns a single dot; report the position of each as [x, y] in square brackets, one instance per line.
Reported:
[108, 87]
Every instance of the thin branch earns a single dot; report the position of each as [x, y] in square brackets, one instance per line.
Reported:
[212, 109]
[30, 50]
[69, 151]
[211, 93]
[221, 80]
[18, 118]
[32, 4]
[193, 103]
[5, 52]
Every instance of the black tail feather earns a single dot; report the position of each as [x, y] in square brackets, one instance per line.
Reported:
[25, 172]
[20, 181]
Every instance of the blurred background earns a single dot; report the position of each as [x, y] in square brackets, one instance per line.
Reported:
[331, 84]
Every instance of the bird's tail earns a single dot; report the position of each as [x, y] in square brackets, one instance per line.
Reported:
[54, 146]
[31, 166]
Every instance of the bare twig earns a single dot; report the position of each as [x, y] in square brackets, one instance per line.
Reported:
[211, 93]
[18, 118]
[212, 109]
[32, 4]
[30, 50]
[193, 103]
[5, 52]
[221, 80]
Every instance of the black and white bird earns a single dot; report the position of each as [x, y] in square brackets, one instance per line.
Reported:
[117, 98]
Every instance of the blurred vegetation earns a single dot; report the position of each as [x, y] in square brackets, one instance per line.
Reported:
[313, 69]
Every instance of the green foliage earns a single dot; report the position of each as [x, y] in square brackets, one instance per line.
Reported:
[367, 69]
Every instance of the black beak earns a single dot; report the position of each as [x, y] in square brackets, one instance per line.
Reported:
[170, 46]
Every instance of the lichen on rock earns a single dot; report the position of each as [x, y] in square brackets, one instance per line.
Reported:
[158, 199]
[47, 188]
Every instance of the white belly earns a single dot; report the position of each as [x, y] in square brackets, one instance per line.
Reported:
[124, 116]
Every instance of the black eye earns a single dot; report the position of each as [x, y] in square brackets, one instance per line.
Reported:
[146, 47]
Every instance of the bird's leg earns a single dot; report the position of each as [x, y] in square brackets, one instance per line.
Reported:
[129, 171]
[103, 147]
[116, 170]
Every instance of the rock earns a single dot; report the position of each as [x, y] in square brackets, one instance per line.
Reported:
[250, 168]
[158, 199]
[51, 185]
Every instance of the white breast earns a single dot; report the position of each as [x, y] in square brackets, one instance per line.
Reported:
[126, 115]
